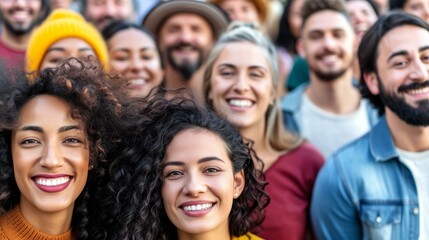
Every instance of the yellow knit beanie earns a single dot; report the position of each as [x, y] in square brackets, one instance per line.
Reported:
[60, 24]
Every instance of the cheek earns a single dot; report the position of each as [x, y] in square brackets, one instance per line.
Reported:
[118, 66]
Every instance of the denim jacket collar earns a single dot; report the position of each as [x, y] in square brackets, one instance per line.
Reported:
[381, 142]
[292, 101]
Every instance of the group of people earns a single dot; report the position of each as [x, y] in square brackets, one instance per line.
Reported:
[193, 124]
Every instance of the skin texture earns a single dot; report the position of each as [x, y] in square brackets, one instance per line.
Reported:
[327, 44]
[190, 30]
[419, 8]
[198, 173]
[241, 10]
[60, 4]
[20, 16]
[48, 143]
[102, 12]
[362, 15]
[295, 19]
[242, 88]
[133, 54]
[66, 48]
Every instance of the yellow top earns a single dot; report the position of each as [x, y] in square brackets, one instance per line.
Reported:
[247, 236]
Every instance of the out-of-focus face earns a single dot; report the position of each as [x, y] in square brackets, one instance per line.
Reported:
[383, 6]
[60, 4]
[134, 55]
[50, 153]
[199, 184]
[242, 85]
[185, 40]
[102, 12]
[295, 19]
[241, 10]
[20, 17]
[362, 14]
[66, 48]
[402, 78]
[419, 8]
[327, 43]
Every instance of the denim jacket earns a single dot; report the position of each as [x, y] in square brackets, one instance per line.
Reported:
[365, 192]
[291, 103]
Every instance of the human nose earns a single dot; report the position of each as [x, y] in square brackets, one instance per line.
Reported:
[329, 42]
[186, 35]
[241, 83]
[420, 71]
[194, 186]
[109, 9]
[136, 63]
[52, 156]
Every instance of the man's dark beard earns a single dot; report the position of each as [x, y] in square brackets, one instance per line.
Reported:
[416, 116]
[18, 31]
[329, 76]
[185, 68]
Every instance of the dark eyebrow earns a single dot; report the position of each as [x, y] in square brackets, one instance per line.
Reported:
[398, 53]
[424, 48]
[67, 128]
[202, 160]
[31, 128]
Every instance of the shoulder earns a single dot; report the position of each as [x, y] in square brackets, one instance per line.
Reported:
[307, 154]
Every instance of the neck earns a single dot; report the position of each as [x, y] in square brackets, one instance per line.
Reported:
[265, 152]
[174, 80]
[406, 136]
[13, 41]
[49, 222]
[338, 96]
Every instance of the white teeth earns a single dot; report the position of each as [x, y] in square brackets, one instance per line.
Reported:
[138, 81]
[198, 207]
[420, 91]
[240, 103]
[52, 181]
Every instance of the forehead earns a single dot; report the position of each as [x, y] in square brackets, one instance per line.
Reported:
[326, 20]
[131, 36]
[104, 2]
[233, 53]
[406, 38]
[70, 43]
[185, 19]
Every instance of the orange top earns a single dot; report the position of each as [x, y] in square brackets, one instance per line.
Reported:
[247, 236]
[13, 226]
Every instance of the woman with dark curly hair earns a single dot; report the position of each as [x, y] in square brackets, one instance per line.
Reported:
[185, 174]
[55, 133]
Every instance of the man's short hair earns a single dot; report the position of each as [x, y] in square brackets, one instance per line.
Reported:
[311, 7]
[368, 50]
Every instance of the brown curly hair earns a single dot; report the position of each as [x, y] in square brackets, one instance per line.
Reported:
[87, 89]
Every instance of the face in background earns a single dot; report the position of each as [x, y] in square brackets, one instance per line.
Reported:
[402, 78]
[66, 48]
[102, 12]
[134, 55]
[60, 4]
[185, 40]
[20, 17]
[362, 14]
[241, 10]
[50, 158]
[199, 184]
[327, 43]
[242, 85]
[295, 19]
[383, 6]
[420, 8]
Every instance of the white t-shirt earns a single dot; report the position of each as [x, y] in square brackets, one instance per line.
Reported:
[418, 163]
[328, 131]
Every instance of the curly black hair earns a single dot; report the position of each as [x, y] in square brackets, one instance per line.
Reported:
[85, 87]
[136, 174]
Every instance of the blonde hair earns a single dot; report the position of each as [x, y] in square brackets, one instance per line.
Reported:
[275, 134]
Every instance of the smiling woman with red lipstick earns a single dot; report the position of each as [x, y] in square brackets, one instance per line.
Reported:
[185, 174]
[53, 135]
[240, 83]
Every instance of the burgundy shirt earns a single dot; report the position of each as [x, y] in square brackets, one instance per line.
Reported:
[12, 58]
[290, 184]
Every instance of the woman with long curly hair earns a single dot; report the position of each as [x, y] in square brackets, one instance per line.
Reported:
[240, 83]
[185, 173]
[55, 134]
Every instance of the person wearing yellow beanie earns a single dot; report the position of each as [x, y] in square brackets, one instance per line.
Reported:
[64, 34]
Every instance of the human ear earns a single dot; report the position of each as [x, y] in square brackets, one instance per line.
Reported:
[239, 183]
[371, 81]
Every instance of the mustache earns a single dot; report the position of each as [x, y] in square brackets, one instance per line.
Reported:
[326, 52]
[413, 86]
[183, 44]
